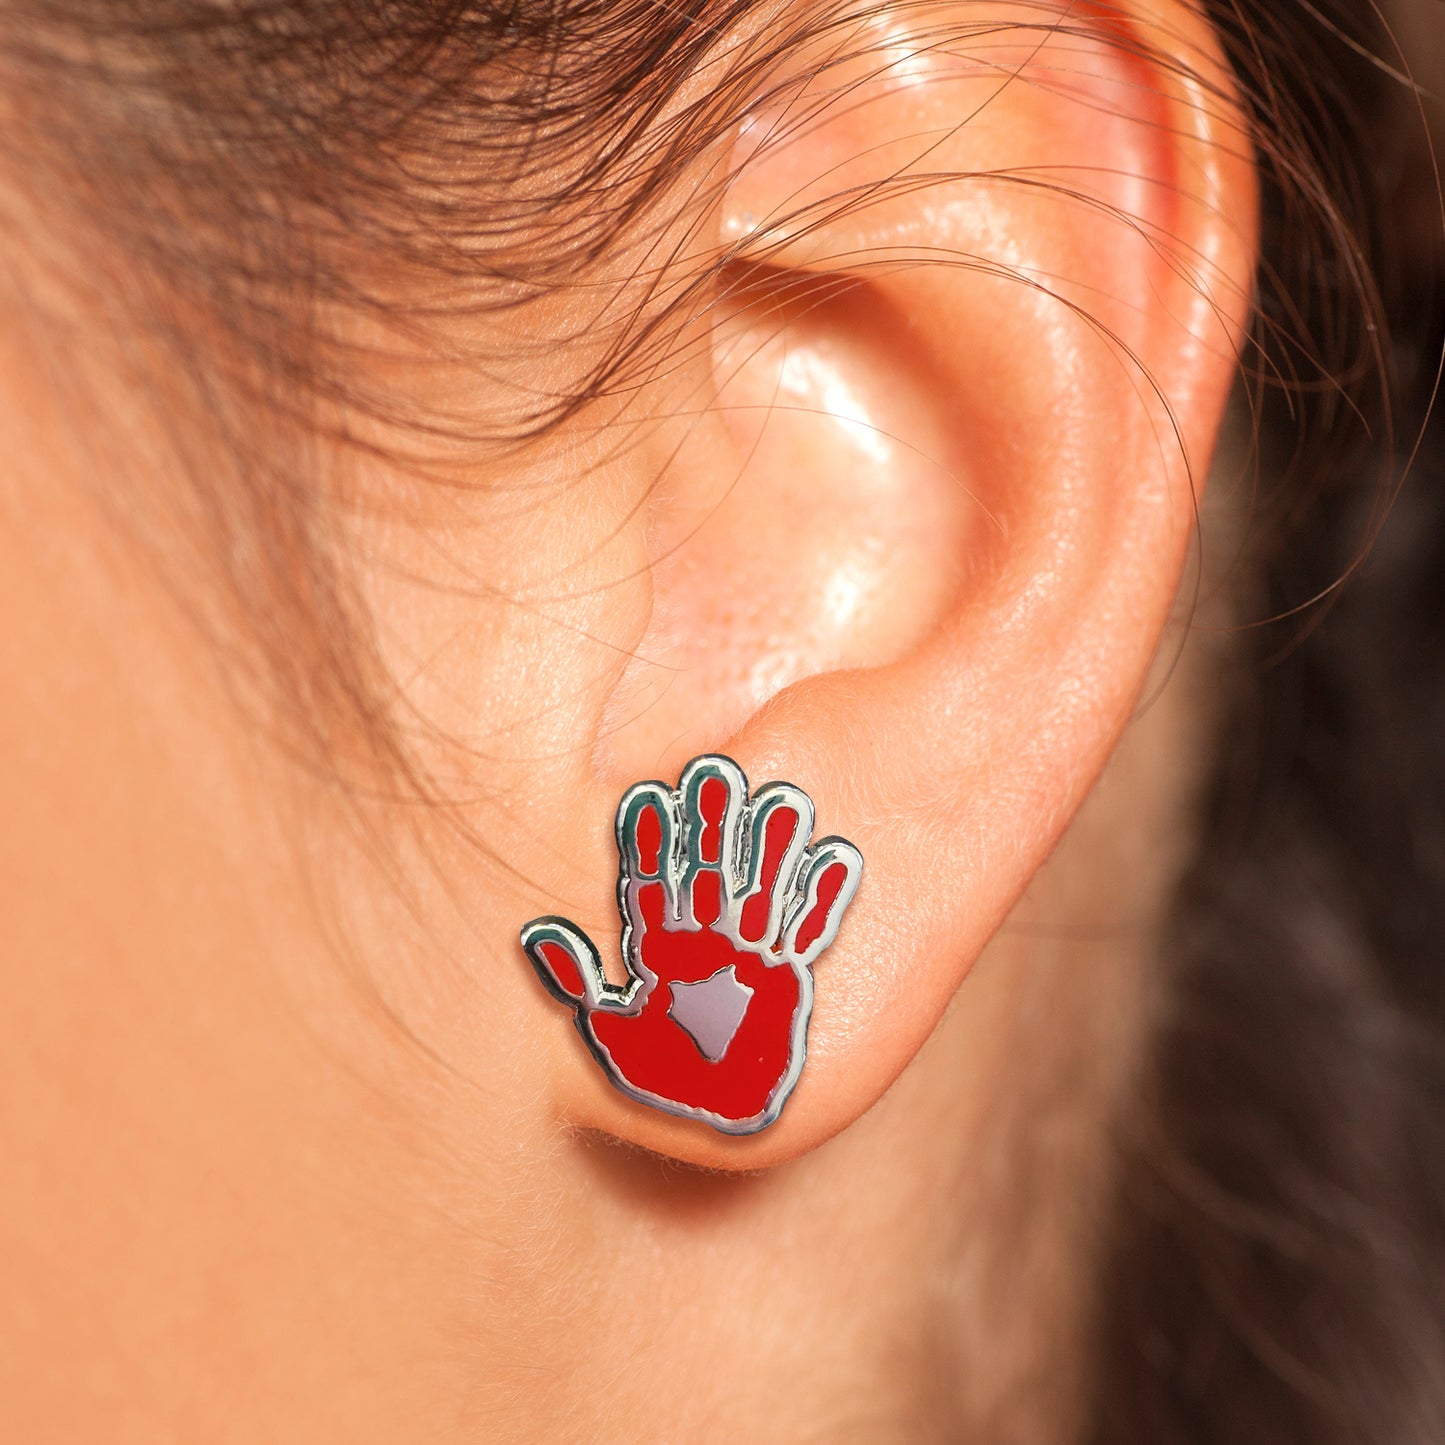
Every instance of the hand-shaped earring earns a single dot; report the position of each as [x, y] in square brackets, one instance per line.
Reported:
[725, 906]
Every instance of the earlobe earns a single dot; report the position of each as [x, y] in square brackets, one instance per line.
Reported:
[990, 282]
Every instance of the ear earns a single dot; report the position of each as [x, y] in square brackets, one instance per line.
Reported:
[992, 274]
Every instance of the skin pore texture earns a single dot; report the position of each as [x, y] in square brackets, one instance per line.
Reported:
[296, 1147]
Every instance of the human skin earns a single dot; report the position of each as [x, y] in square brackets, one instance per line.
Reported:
[241, 1204]
[297, 1149]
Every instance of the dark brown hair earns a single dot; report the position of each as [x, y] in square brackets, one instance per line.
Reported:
[1276, 1265]
[244, 172]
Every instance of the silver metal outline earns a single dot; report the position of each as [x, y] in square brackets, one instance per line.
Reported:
[679, 861]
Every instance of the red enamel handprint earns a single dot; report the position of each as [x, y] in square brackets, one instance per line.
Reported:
[725, 905]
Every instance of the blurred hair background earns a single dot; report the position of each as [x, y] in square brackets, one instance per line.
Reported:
[1277, 1269]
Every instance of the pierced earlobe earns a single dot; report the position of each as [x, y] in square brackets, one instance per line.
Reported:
[918, 550]
[725, 906]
